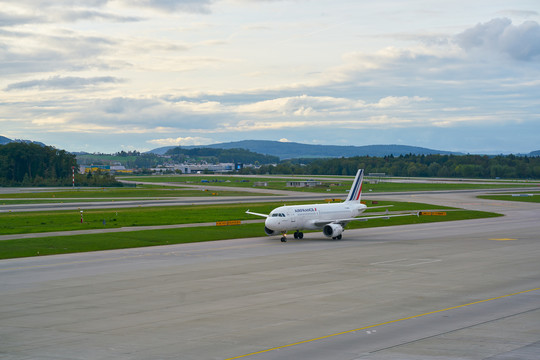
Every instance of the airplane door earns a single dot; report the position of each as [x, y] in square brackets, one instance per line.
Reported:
[292, 215]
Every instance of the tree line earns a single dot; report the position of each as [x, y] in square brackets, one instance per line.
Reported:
[220, 155]
[27, 164]
[131, 159]
[454, 166]
[137, 160]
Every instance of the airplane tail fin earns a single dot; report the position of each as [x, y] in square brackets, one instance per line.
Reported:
[356, 188]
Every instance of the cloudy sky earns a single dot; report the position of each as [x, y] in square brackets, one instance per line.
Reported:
[111, 75]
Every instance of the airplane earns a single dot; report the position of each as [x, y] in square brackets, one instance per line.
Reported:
[331, 218]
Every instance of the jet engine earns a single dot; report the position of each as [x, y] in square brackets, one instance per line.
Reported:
[269, 231]
[332, 230]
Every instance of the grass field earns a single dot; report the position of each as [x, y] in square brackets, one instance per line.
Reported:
[145, 191]
[333, 185]
[32, 222]
[535, 198]
[108, 241]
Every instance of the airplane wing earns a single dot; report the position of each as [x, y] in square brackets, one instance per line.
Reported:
[377, 207]
[344, 222]
[254, 213]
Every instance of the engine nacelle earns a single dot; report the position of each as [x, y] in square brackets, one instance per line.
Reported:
[269, 231]
[332, 230]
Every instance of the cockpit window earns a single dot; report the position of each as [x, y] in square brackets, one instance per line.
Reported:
[278, 215]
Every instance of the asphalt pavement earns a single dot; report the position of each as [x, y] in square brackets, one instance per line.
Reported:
[453, 290]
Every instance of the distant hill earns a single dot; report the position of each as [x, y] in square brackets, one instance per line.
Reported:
[534, 153]
[291, 150]
[4, 140]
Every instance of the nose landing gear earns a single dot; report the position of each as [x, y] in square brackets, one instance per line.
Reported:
[297, 235]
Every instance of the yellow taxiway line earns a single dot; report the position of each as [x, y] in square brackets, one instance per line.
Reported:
[381, 324]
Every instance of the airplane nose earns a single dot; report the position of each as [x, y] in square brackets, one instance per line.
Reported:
[272, 223]
[269, 225]
[269, 222]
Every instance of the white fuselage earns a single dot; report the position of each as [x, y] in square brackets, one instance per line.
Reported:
[311, 217]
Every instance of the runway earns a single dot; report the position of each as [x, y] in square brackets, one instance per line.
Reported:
[457, 290]
[285, 196]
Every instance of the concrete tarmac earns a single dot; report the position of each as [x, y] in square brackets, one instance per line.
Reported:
[456, 290]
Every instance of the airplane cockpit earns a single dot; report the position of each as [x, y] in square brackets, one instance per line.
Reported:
[278, 215]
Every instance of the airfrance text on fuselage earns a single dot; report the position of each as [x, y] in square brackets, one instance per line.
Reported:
[306, 210]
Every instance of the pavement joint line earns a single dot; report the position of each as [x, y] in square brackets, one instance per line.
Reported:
[383, 323]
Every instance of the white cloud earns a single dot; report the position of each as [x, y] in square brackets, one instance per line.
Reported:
[520, 42]
[59, 82]
[181, 141]
[399, 101]
[190, 6]
[193, 68]
[51, 122]
[302, 105]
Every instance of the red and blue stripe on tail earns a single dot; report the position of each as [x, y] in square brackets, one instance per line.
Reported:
[356, 188]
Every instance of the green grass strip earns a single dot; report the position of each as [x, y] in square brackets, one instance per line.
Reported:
[535, 198]
[109, 241]
[47, 221]
[121, 193]
[331, 186]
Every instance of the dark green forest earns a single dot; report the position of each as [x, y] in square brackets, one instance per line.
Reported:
[27, 164]
[456, 166]
[130, 159]
[221, 155]
[137, 160]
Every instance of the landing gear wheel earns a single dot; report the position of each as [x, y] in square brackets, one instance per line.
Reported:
[283, 239]
[300, 235]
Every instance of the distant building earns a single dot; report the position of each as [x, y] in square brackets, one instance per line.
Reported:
[113, 169]
[307, 183]
[94, 168]
[199, 168]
